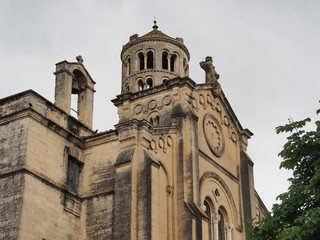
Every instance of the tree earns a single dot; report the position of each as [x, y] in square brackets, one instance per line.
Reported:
[297, 216]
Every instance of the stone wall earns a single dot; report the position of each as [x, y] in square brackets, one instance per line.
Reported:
[13, 142]
[99, 217]
[43, 213]
[11, 189]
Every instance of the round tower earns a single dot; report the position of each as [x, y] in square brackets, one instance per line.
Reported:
[149, 60]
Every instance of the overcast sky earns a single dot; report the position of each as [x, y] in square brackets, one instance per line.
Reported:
[266, 52]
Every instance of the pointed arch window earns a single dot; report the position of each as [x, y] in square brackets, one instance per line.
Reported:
[150, 60]
[141, 61]
[164, 60]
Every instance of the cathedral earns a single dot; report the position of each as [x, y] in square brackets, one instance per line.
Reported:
[174, 167]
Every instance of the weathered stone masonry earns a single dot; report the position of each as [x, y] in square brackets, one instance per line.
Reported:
[175, 166]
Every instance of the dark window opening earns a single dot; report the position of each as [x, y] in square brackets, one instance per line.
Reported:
[185, 67]
[74, 170]
[129, 66]
[164, 60]
[172, 62]
[208, 212]
[141, 61]
[150, 60]
[157, 121]
[216, 192]
[221, 226]
[140, 85]
[149, 83]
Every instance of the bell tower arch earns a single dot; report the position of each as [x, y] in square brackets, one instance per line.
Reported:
[72, 78]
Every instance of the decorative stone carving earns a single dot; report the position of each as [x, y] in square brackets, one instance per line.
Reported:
[233, 137]
[138, 109]
[211, 74]
[215, 218]
[228, 227]
[79, 59]
[213, 133]
[167, 100]
[226, 121]
[170, 190]
[161, 143]
[152, 104]
[218, 107]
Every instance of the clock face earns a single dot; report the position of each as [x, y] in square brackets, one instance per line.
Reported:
[213, 133]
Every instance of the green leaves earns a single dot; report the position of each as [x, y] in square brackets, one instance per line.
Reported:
[297, 216]
[292, 126]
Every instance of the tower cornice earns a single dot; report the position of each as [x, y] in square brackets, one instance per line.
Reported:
[154, 37]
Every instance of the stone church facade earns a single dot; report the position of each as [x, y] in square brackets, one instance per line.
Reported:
[174, 167]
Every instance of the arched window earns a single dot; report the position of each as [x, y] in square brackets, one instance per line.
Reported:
[157, 121]
[129, 66]
[221, 226]
[185, 67]
[149, 83]
[150, 59]
[172, 62]
[141, 61]
[208, 213]
[164, 79]
[140, 85]
[164, 60]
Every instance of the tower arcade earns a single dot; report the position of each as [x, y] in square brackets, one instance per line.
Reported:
[149, 60]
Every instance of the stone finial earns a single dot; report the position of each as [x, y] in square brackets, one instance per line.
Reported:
[155, 26]
[211, 74]
[79, 59]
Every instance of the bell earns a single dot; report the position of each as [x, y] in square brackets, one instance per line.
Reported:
[75, 87]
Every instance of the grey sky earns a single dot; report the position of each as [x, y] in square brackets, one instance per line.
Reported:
[266, 52]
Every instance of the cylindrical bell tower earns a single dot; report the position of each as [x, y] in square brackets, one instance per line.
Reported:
[149, 60]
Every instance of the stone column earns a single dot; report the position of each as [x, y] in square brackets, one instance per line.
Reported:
[215, 220]
[229, 228]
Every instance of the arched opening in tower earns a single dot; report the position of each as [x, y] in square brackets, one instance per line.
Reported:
[150, 60]
[141, 61]
[164, 60]
[140, 85]
[129, 66]
[172, 62]
[78, 81]
[149, 83]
